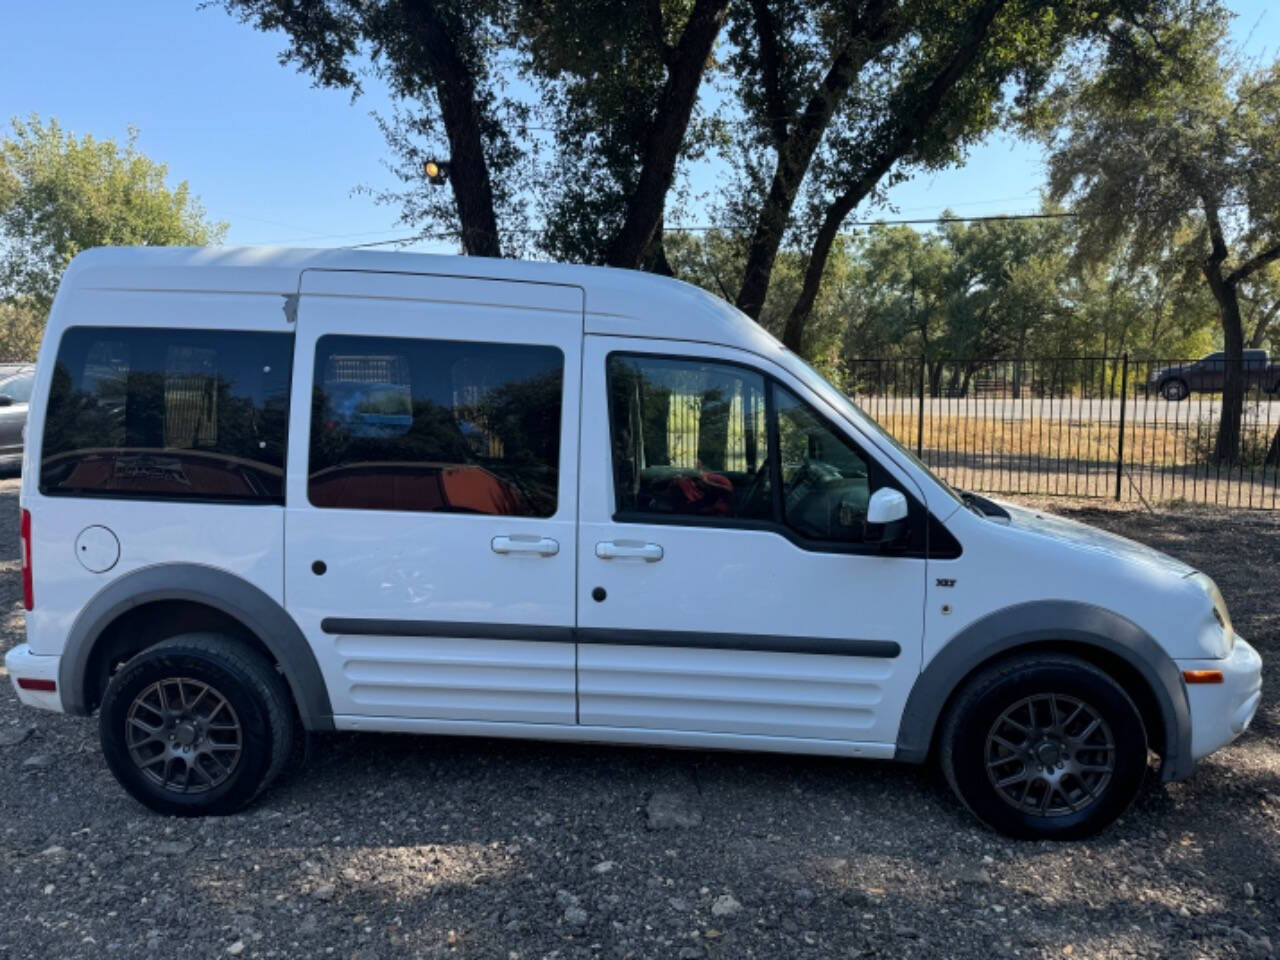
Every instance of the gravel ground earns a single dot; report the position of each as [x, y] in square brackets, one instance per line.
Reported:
[388, 846]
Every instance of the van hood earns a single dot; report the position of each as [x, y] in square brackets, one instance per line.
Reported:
[1083, 536]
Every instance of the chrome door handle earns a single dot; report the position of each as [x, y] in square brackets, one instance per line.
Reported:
[524, 544]
[629, 550]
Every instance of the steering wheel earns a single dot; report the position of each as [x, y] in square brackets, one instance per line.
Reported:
[754, 486]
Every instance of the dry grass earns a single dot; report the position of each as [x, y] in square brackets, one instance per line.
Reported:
[1163, 462]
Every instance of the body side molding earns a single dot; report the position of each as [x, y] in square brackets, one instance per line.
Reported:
[1047, 621]
[211, 587]
[831, 646]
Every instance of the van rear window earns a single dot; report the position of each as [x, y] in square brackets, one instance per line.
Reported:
[168, 414]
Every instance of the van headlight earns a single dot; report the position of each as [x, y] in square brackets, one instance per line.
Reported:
[1220, 613]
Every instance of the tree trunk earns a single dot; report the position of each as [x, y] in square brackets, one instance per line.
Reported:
[1224, 289]
[935, 378]
[655, 258]
[798, 318]
[898, 141]
[687, 62]
[1227, 447]
[468, 168]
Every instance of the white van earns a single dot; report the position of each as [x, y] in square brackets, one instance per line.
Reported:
[267, 490]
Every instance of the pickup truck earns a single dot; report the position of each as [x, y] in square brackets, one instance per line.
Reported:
[1207, 374]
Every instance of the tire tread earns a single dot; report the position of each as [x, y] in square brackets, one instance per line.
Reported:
[982, 682]
[264, 681]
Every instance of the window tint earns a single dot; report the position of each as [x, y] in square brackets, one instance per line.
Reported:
[168, 414]
[689, 438]
[436, 425]
[825, 481]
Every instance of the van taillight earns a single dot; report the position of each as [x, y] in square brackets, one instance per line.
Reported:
[28, 599]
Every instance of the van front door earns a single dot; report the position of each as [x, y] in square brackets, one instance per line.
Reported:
[432, 496]
[727, 587]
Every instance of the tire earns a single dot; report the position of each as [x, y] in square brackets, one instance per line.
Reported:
[226, 734]
[1175, 390]
[1076, 799]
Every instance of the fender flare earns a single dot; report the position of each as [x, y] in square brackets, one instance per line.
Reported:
[212, 587]
[1040, 622]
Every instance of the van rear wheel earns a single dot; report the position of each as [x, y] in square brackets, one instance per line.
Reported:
[1044, 747]
[197, 724]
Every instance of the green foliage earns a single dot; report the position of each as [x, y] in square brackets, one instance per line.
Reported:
[1166, 147]
[60, 194]
[21, 326]
[988, 290]
[1168, 124]
[715, 261]
[595, 65]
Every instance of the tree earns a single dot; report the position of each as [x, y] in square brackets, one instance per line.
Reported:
[618, 84]
[60, 194]
[888, 89]
[437, 58]
[807, 57]
[1172, 136]
[443, 60]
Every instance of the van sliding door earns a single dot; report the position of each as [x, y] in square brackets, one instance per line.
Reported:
[430, 539]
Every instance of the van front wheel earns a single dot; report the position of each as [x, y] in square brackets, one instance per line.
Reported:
[197, 724]
[1044, 747]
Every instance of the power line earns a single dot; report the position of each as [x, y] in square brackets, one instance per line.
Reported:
[987, 218]
[699, 228]
[413, 239]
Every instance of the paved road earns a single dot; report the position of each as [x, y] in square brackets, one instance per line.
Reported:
[1153, 410]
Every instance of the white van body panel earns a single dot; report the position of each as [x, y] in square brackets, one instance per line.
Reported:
[531, 654]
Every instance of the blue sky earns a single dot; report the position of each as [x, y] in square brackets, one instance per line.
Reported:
[278, 159]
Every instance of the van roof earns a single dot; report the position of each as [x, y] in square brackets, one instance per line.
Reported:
[617, 302]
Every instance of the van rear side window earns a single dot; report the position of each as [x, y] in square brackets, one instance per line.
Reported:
[168, 414]
[436, 426]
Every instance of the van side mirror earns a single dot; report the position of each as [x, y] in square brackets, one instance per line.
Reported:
[886, 517]
[6, 400]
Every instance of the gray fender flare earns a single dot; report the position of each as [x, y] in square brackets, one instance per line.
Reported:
[223, 591]
[1039, 622]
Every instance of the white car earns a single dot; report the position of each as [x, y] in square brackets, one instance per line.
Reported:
[342, 490]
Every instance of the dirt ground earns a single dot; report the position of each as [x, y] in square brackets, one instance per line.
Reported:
[386, 846]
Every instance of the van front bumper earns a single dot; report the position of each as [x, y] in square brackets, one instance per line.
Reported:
[1220, 712]
[40, 672]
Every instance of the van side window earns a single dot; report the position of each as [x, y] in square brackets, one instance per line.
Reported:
[826, 483]
[689, 438]
[435, 426]
[701, 441]
[168, 414]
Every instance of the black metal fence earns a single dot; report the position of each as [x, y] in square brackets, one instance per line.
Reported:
[1116, 427]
